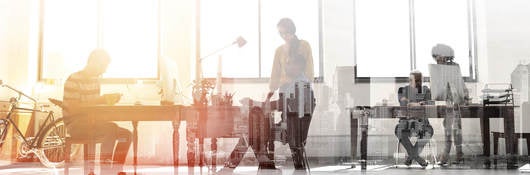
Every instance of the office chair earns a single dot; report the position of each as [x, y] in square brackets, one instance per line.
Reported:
[69, 141]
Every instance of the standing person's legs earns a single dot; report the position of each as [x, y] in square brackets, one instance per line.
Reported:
[237, 154]
[260, 137]
[297, 130]
[457, 134]
[449, 124]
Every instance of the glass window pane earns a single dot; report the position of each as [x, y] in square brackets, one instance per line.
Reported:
[221, 23]
[382, 38]
[69, 34]
[131, 38]
[433, 24]
[306, 20]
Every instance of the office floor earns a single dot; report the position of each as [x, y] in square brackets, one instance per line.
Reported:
[34, 168]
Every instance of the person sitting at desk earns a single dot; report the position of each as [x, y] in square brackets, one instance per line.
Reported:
[83, 88]
[414, 94]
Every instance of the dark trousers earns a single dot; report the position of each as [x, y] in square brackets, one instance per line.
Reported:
[297, 129]
[106, 133]
[420, 128]
[262, 142]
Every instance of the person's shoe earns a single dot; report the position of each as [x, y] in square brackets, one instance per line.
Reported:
[423, 164]
[267, 166]
[408, 161]
[230, 165]
[274, 171]
[443, 160]
[442, 163]
[458, 161]
[225, 170]
[459, 158]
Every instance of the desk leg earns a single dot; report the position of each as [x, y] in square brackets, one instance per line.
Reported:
[354, 126]
[176, 138]
[135, 145]
[214, 154]
[485, 128]
[509, 135]
[201, 152]
[191, 134]
[364, 146]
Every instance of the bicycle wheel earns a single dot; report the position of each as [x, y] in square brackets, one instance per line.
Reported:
[3, 131]
[51, 144]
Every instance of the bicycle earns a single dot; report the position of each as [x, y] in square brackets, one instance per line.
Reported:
[47, 144]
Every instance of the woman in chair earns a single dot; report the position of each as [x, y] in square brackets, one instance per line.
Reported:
[413, 95]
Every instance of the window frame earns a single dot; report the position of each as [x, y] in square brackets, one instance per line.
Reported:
[261, 79]
[472, 53]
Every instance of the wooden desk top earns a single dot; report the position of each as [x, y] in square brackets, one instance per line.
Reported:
[134, 112]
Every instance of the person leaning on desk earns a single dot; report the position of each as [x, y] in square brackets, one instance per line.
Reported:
[292, 68]
[83, 88]
[412, 95]
[444, 55]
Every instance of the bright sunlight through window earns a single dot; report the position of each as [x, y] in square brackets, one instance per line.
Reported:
[128, 30]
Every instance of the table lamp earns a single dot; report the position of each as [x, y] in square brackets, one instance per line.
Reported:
[202, 87]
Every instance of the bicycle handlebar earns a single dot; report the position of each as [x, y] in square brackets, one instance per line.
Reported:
[17, 91]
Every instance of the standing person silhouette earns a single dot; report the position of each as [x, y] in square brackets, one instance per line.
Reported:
[292, 68]
[444, 55]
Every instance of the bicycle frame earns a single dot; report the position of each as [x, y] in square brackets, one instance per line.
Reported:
[16, 109]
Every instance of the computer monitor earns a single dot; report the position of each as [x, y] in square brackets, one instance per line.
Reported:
[447, 83]
[168, 80]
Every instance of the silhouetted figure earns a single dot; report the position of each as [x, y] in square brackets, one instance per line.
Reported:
[83, 88]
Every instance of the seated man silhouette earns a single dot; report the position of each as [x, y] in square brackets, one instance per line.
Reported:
[83, 88]
[412, 95]
[296, 102]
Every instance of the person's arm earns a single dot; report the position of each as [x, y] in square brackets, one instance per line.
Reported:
[401, 97]
[307, 52]
[427, 96]
[276, 72]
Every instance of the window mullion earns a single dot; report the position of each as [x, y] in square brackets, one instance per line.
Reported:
[99, 20]
[412, 36]
[259, 39]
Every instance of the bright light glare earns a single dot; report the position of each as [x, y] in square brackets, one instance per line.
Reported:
[128, 30]
[130, 36]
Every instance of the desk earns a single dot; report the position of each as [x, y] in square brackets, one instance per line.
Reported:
[136, 113]
[484, 113]
[209, 121]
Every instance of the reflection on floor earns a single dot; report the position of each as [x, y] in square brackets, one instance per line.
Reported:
[34, 168]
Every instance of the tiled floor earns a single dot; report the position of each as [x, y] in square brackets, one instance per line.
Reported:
[34, 168]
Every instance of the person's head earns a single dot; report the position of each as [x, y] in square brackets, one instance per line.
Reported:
[287, 29]
[97, 63]
[295, 66]
[415, 79]
[442, 53]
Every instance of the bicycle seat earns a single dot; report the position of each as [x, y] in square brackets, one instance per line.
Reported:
[57, 102]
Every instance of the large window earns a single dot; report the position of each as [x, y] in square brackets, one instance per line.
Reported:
[221, 21]
[397, 37]
[127, 29]
[382, 38]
